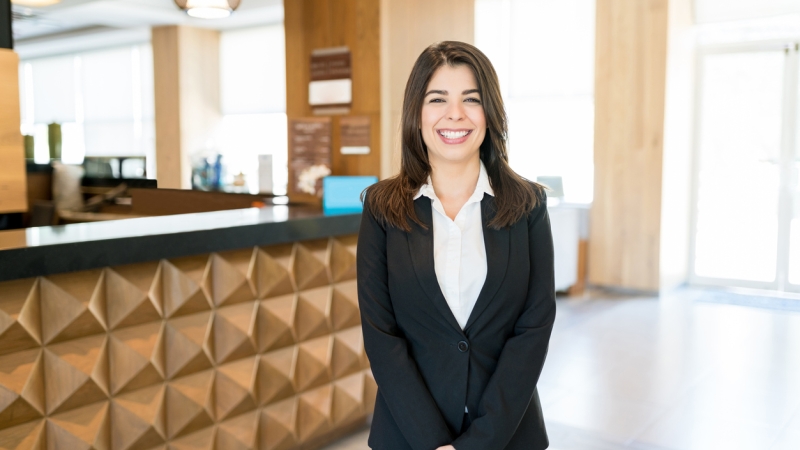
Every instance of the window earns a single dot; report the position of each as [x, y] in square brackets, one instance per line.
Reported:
[102, 99]
[253, 98]
[747, 133]
[543, 52]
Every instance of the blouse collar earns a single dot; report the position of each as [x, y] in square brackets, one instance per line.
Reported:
[482, 187]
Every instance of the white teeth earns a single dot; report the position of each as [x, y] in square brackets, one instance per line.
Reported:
[453, 134]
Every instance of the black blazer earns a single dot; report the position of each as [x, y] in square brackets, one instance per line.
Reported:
[427, 369]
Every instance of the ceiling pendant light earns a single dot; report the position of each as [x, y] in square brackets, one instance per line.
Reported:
[208, 9]
[35, 3]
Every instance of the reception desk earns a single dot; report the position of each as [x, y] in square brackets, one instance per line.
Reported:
[229, 330]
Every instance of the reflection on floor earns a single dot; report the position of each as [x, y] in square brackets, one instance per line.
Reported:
[674, 372]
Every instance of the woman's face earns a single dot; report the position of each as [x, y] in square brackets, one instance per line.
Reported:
[453, 124]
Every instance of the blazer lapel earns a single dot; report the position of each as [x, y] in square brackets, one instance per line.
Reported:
[497, 253]
[420, 242]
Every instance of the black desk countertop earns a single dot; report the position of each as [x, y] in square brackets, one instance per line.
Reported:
[41, 251]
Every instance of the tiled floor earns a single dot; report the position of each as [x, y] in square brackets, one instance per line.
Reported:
[669, 373]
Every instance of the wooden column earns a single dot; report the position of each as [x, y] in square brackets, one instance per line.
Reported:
[407, 28]
[13, 197]
[629, 123]
[186, 76]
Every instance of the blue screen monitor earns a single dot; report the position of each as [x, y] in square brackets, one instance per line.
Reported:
[342, 194]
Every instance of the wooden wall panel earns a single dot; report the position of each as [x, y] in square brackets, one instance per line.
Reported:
[257, 348]
[314, 24]
[166, 86]
[407, 28]
[187, 99]
[629, 122]
[13, 196]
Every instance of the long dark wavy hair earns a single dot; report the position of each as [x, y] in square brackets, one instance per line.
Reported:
[391, 200]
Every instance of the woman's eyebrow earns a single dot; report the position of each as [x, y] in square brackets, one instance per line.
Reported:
[440, 92]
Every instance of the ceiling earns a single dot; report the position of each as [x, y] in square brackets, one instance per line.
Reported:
[71, 17]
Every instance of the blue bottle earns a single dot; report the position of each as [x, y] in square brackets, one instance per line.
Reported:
[216, 181]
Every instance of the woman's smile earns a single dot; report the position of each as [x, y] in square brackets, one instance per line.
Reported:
[453, 137]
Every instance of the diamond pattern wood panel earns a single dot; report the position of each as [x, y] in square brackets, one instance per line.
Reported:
[258, 348]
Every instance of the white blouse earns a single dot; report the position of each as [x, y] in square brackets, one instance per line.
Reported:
[458, 249]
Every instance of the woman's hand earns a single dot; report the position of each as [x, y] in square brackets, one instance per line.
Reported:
[446, 447]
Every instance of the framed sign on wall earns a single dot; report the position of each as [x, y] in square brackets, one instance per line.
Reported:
[309, 156]
[330, 90]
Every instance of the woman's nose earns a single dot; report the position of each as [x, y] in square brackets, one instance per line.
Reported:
[455, 111]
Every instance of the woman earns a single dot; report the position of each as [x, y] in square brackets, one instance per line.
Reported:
[455, 271]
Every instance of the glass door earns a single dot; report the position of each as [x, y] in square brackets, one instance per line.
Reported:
[744, 199]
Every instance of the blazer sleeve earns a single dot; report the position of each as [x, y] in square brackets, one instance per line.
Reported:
[510, 389]
[400, 384]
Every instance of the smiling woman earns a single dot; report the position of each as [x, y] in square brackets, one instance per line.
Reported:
[455, 271]
[392, 201]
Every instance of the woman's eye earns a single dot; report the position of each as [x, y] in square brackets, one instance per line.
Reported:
[437, 100]
[473, 100]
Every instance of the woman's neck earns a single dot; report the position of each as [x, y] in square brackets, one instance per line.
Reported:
[455, 180]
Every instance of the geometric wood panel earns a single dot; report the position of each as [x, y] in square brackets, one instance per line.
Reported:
[75, 373]
[233, 332]
[276, 322]
[178, 286]
[129, 286]
[184, 344]
[258, 348]
[28, 436]
[70, 306]
[235, 388]
[270, 272]
[87, 427]
[226, 278]
[138, 418]
[21, 388]
[344, 305]
[20, 328]
[312, 318]
[134, 357]
[309, 268]
[343, 258]
[239, 433]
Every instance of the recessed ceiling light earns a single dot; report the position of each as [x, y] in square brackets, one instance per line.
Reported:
[35, 3]
[208, 9]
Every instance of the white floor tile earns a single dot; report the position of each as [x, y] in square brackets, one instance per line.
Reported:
[616, 419]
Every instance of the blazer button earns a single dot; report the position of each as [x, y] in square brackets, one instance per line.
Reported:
[463, 346]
